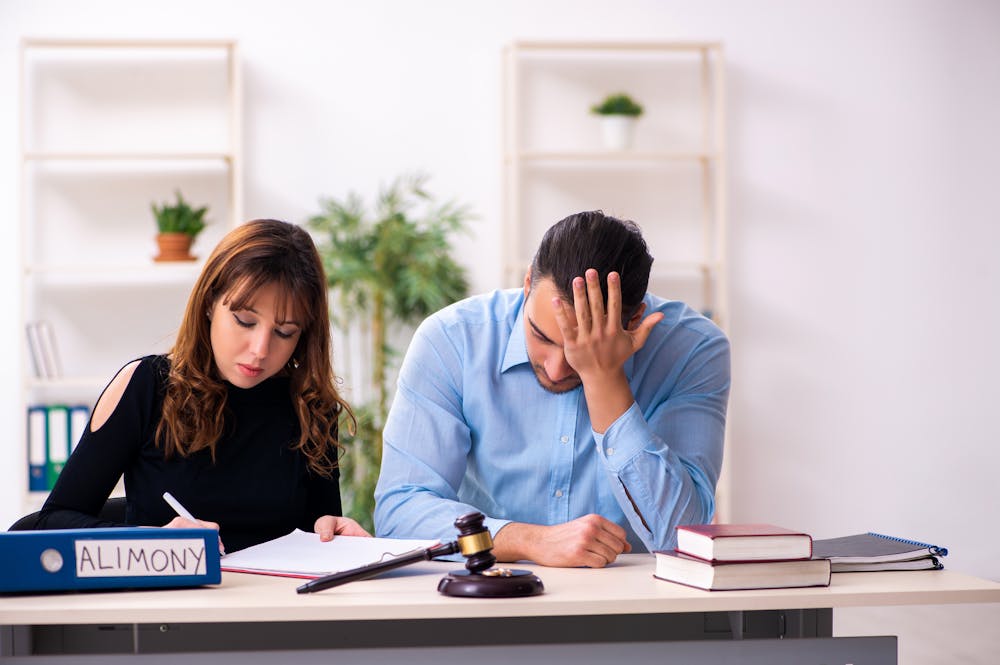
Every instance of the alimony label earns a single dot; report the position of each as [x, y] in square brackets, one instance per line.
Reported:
[156, 557]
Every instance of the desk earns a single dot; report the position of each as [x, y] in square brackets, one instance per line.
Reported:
[622, 606]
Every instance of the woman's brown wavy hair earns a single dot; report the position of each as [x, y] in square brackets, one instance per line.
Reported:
[253, 255]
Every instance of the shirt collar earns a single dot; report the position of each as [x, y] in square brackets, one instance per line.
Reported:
[516, 352]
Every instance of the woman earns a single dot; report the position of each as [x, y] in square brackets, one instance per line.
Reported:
[238, 421]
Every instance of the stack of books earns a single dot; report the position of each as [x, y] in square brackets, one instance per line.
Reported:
[728, 557]
[866, 552]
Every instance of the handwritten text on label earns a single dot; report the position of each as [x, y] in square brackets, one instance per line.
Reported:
[131, 558]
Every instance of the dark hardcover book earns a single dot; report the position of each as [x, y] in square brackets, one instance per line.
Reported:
[743, 542]
[676, 567]
[874, 551]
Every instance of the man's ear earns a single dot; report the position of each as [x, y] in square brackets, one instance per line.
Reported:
[527, 284]
[636, 318]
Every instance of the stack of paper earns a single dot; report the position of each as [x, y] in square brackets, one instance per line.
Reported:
[302, 554]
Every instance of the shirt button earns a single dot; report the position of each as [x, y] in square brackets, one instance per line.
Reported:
[611, 451]
[558, 493]
[564, 439]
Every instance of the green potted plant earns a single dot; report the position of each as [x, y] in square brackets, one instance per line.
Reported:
[388, 268]
[618, 113]
[178, 225]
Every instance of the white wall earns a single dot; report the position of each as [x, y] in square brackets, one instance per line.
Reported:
[863, 172]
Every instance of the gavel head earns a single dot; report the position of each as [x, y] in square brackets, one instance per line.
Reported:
[475, 542]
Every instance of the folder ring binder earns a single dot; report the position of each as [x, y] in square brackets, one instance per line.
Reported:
[52, 561]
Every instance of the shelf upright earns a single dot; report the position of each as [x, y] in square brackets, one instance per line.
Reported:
[108, 127]
[671, 181]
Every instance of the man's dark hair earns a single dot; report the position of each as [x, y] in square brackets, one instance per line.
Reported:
[602, 242]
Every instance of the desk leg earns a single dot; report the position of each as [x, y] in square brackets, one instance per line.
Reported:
[15, 641]
[739, 625]
[736, 624]
[805, 623]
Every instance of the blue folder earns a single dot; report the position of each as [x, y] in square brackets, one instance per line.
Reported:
[129, 557]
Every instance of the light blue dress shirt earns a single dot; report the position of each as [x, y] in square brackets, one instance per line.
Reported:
[471, 429]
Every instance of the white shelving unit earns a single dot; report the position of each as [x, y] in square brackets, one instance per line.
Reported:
[672, 181]
[107, 128]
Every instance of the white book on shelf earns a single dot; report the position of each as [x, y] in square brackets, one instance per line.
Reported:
[50, 353]
[35, 350]
[42, 350]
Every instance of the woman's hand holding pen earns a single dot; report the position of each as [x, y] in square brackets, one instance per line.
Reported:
[329, 526]
[185, 520]
[184, 523]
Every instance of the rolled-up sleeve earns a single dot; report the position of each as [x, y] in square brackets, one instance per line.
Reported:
[664, 461]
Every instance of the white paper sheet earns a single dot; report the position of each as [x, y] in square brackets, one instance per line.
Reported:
[301, 554]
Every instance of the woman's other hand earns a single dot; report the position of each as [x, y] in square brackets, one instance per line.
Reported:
[329, 526]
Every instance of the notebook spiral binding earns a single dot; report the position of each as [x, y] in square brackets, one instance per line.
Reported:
[934, 549]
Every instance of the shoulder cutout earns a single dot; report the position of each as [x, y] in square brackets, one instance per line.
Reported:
[112, 395]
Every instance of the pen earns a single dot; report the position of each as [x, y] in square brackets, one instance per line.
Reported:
[185, 513]
[178, 508]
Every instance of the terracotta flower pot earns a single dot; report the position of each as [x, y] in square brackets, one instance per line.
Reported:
[174, 247]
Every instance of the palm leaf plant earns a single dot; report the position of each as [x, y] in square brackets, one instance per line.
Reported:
[387, 268]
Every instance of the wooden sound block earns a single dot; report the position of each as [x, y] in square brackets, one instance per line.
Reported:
[492, 583]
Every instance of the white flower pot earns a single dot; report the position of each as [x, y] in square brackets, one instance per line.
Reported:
[617, 131]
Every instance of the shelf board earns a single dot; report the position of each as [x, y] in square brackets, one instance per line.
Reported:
[661, 269]
[675, 269]
[611, 157]
[67, 382]
[125, 274]
[153, 156]
[537, 45]
[40, 42]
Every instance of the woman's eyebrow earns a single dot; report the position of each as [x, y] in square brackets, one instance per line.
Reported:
[249, 308]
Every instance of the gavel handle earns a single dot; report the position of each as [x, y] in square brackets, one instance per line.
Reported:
[373, 569]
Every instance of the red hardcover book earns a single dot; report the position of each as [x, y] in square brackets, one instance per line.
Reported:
[743, 542]
[732, 576]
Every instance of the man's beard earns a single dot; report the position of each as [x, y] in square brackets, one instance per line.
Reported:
[547, 384]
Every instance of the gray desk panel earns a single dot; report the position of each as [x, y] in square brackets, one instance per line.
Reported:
[810, 651]
[184, 637]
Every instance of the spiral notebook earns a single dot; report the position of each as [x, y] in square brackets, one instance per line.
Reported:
[876, 551]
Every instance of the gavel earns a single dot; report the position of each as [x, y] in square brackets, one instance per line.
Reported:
[479, 579]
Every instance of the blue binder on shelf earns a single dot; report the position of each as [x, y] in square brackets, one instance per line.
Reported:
[129, 557]
[38, 448]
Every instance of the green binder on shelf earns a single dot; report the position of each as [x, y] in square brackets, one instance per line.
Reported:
[58, 437]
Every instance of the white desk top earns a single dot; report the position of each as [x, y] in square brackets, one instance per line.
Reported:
[627, 587]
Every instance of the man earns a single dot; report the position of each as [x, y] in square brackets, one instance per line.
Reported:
[583, 416]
